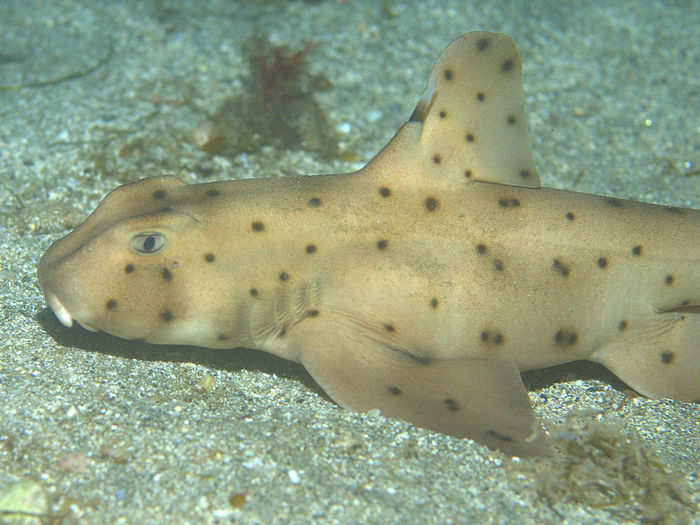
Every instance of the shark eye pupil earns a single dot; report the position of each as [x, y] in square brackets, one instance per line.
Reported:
[148, 243]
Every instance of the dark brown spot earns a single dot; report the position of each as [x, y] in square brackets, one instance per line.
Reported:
[667, 357]
[283, 332]
[492, 338]
[669, 279]
[209, 257]
[222, 337]
[257, 226]
[511, 119]
[569, 216]
[481, 248]
[560, 267]
[482, 44]
[159, 194]
[565, 337]
[166, 274]
[384, 191]
[312, 313]
[310, 248]
[212, 193]
[637, 250]
[129, 268]
[498, 265]
[525, 174]
[497, 435]
[448, 74]
[508, 203]
[111, 304]
[470, 137]
[507, 65]
[434, 302]
[467, 173]
[451, 405]
[602, 262]
[167, 316]
[622, 326]
[615, 203]
[389, 327]
[480, 96]
[314, 202]
[394, 391]
[431, 204]
[382, 244]
[442, 113]
[254, 292]
[437, 159]
[284, 276]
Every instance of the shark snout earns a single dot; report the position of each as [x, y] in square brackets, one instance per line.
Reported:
[59, 309]
[62, 313]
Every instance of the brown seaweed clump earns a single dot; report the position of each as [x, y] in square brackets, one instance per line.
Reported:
[278, 107]
[604, 466]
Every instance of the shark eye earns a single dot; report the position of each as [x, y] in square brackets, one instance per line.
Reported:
[148, 243]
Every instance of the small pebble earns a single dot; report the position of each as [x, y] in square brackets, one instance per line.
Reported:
[294, 477]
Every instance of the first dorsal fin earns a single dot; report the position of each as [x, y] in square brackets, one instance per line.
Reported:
[472, 114]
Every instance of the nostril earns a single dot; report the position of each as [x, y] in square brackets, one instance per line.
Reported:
[61, 311]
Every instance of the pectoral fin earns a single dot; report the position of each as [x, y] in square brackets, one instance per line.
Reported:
[482, 399]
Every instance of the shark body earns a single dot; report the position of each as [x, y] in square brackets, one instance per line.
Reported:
[420, 285]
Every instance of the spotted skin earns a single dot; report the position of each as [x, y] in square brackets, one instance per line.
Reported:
[420, 285]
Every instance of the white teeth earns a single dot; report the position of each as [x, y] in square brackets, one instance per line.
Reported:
[61, 312]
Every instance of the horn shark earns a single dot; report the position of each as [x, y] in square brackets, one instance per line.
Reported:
[421, 284]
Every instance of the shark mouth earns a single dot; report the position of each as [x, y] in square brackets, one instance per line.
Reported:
[63, 314]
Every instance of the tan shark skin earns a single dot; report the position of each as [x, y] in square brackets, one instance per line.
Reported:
[420, 285]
